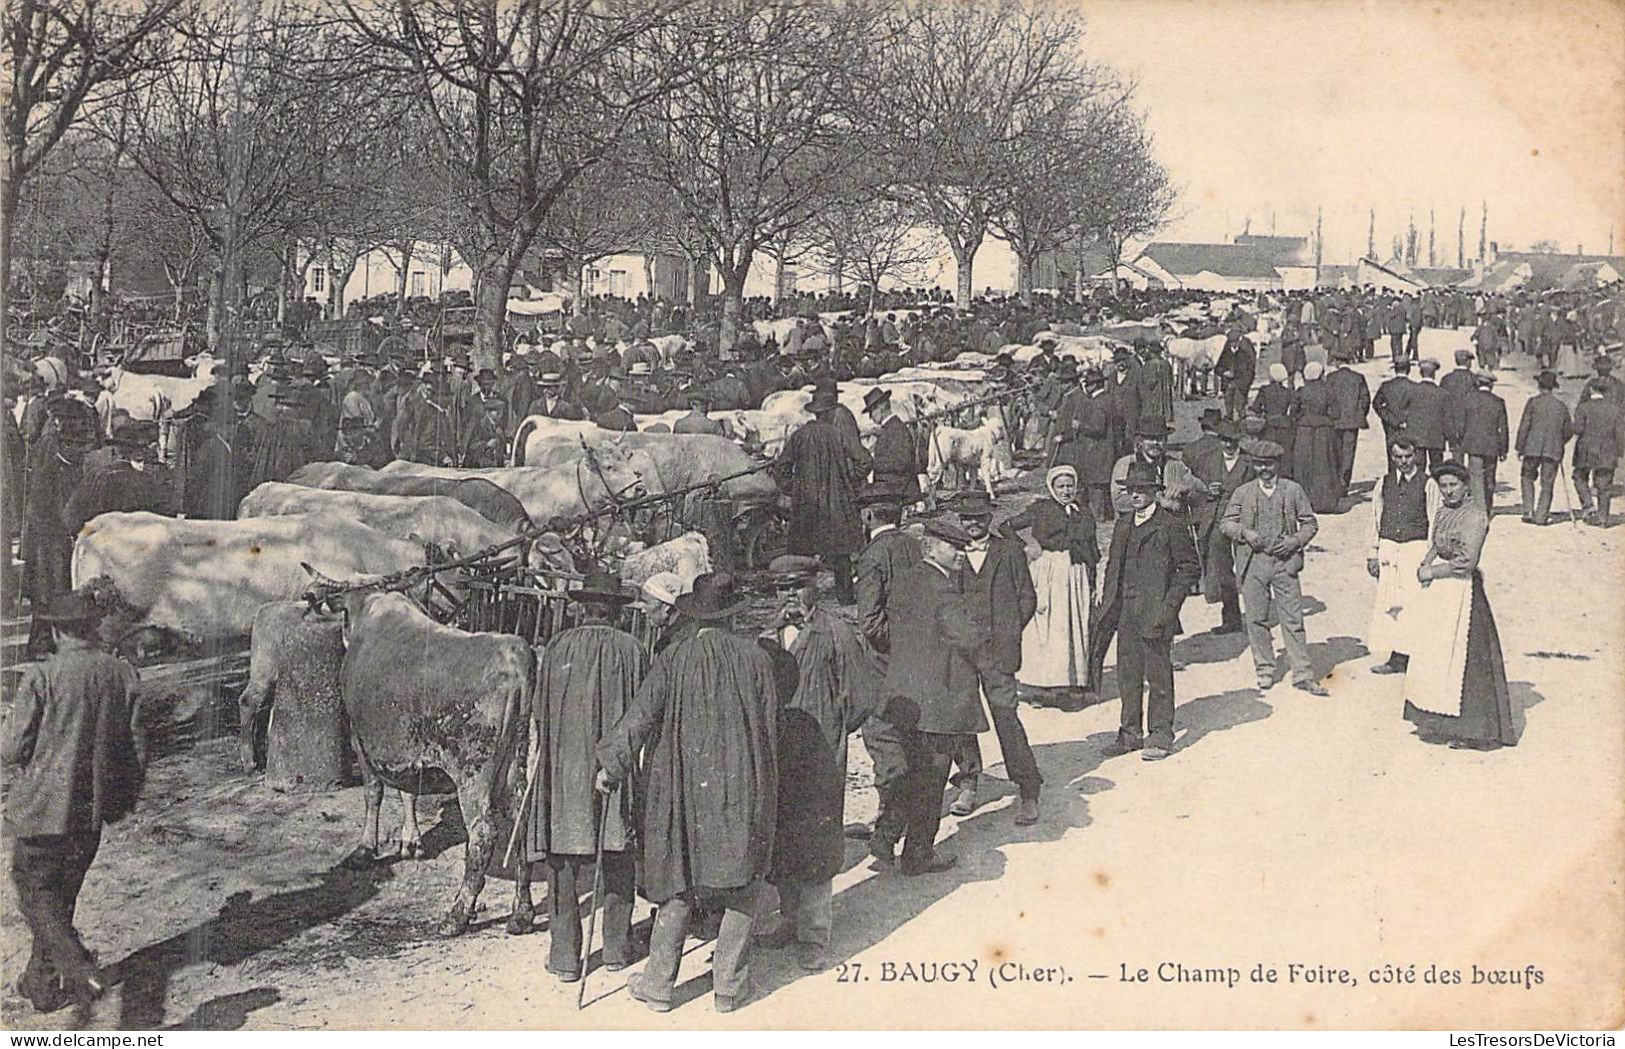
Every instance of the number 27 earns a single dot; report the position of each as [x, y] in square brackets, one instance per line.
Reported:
[848, 972]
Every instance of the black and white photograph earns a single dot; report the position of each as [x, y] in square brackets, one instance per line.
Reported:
[744, 515]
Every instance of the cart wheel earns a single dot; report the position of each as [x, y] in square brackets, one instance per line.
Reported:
[765, 538]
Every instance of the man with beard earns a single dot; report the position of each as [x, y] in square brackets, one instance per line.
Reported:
[1151, 450]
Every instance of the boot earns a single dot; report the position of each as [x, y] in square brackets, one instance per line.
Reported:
[965, 804]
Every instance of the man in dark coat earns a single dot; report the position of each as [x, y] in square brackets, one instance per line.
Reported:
[1393, 322]
[586, 679]
[999, 595]
[1237, 365]
[73, 760]
[1613, 388]
[127, 485]
[930, 691]
[1458, 384]
[1483, 441]
[1392, 402]
[1597, 434]
[1351, 410]
[1544, 429]
[1083, 439]
[707, 712]
[550, 401]
[697, 420]
[895, 463]
[282, 445]
[1221, 468]
[1426, 419]
[1123, 388]
[55, 469]
[819, 469]
[1150, 568]
[837, 690]
[1155, 379]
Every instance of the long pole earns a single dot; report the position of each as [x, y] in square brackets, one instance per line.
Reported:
[597, 893]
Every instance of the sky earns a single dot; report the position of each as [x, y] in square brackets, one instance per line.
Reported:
[1269, 109]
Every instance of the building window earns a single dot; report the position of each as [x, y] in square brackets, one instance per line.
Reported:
[420, 282]
[617, 282]
[318, 280]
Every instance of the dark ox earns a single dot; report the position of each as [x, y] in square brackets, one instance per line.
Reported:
[435, 710]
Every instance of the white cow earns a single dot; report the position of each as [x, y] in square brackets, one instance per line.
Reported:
[439, 519]
[560, 490]
[1193, 362]
[151, 396]
[206, 579]
[688, 555]
[983, 452]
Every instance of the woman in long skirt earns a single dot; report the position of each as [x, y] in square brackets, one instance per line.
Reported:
[1055, 642]
[1456, 683]
[1314, 455]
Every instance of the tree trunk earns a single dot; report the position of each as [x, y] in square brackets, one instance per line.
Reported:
[1024, 277]
[964, 260]
[491, 312]
[406, 248]
[836, 269]
[699, 280]
[7, 224]
[649, 276]
[574, 284]
[733, 302]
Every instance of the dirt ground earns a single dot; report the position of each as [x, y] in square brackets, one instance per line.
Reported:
[1287, 833]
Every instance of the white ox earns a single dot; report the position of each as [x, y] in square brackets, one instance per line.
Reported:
[439, 519]
[983, 453]
[562, 490]
[146, 397]
[207, 579]
[683, 460]
[688, 555]
[1090, 351]
[1193, 362]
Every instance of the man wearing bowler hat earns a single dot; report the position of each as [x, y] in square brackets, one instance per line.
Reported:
[1150, 568]
[73, 764]
[895, 463]
[1270, 522]
[1177, 484]
[1543, 429]
[705, 722]
[586, 679]
[1482, 439]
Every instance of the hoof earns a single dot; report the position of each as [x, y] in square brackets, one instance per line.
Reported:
[360, 859]
[452, 925]
[521, 923]
[413, 850]
[246, 756]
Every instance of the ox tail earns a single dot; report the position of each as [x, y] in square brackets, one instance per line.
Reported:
[520, 757]
[520, 438]
[934, 460]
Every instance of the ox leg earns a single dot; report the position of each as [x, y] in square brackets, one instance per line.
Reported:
[411, 837]
[256, 697]
[366, 853]
[475, 798]
[523, 918]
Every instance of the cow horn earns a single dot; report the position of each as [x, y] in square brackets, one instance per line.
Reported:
[322, 581]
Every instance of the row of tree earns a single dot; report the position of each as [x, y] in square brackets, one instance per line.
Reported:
[859, 138]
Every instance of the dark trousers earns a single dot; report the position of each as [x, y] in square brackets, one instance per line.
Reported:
[1413, 340]
[1145, 664]
[730, 956]
[1396, 344]
[917, 808]
[1235, 399]
[1596, 488]
[841, 565]
[1347, 441]
[1481, 478]
[567, 878]
[1100, 501]
[1428, 458]
[1536, 468]
[1020, 767]
[48, 872]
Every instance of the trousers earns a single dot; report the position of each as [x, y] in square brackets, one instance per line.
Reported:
[1020, 767]
[916, 810]
[1100, 501]
[1396, 344]
[730, 959]
[1481, 478]
[841, 566]
[567, 877]
[1267, 588]
[1235, 399]
[1145, 671]
[1537, 468]
[48, 872]
[1596, 488]
[809, 907]
[1347, 441]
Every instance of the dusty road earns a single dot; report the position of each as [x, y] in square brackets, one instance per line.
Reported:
[1315, 838]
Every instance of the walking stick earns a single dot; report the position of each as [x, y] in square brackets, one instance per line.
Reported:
[519, 814]
[593, 900]
[1568, 504]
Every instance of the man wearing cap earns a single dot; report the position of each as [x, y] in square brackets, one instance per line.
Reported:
[1351, 410]
[1151, 450]
[1001, 600]
[73, 757]
[1544, 429]
[930, 694]
[55, 470]
[1403, 505]
[1483, 439]
[1458, 386]
[1426, 418]
[1151, 565]
[1392, 401]
[705, 721]
[1083, 440]
[895, 464]
[1597, 442]
[1221, 468]
[129, 484]
[1269, 522]
[586, 678]
[820, 468]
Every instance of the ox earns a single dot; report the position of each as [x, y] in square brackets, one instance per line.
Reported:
[683, 460]
[688, 555]
[436, 710]
[587, 482]
[207, 579]
[1193, 363]
[489, 500]
[983, 452]
[448, 524]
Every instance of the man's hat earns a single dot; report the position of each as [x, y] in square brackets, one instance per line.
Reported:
[713, 597]
[946, 527]
[1546, 380]
[1603, 363]
[289, 395]
[879, 493]
[1094, 377]
[485, 374]
[1429, 365]
[1463, 356]
[1211, 417]
[1142, 475]
[315, 367]
[640, 367]
[1227, 430]
[1261, 449]
[551, 379]
[135, 434]
[600, 586]
[74, 606]
[823, 400]
[1151, 428]
[973, 503]
[875, 398]
[1484, 379]
[1046, 341]
[1402, 363]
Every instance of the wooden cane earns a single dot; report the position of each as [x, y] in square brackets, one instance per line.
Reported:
[592, 901]
[1568, 503]
[521, 813]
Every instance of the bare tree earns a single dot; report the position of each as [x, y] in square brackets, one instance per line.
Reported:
[875, 243]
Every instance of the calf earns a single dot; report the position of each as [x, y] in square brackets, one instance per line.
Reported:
[984, 451]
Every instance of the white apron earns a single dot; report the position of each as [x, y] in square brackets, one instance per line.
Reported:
[1438, 618]
[1397, 591]
[1055, 643]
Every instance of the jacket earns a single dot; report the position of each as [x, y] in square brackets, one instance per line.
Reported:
[1083, 426]
[1392, 402]
[1483, 425]
[887, 556]
[1427, 418]
[1596, 435]
[1351, 401]
[1458, 385]
[1000, 599]
[931, 681]
[1150, 569]
[894, 456]
[1544, 428]
[1241, 517]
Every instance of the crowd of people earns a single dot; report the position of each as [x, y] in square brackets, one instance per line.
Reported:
[714, 765]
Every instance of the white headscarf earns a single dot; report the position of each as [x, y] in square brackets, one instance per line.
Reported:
[1055, 472]
[1313, 370]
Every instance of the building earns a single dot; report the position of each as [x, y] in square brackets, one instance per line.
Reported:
[1508, 271]
[1249, 263]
